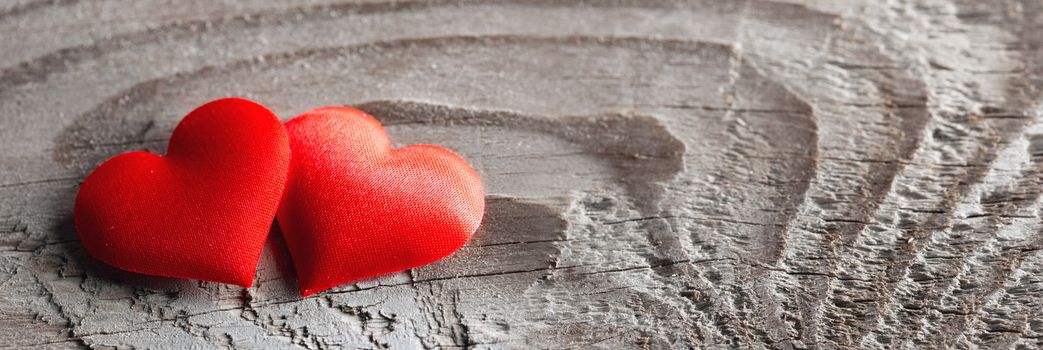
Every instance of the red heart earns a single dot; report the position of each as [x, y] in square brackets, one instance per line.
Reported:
[354, 208]
[203, 210]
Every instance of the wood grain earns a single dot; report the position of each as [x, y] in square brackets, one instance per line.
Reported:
[661, 174]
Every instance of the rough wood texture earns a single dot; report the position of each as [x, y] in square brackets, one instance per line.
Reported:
[707, 174]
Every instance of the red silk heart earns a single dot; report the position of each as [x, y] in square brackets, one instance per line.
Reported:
[355, 208]
[203, 210]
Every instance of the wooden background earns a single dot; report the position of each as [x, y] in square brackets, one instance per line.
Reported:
[706, 174]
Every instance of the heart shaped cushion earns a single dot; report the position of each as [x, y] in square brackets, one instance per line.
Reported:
[200, 212]
[356, 208]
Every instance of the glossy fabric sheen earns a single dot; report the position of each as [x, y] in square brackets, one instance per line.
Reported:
[355, 208]
[202, 211]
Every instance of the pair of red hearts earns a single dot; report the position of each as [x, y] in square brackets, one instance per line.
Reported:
[350, 207]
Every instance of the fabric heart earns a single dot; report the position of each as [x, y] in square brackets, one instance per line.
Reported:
[356, 208]
[200, 212]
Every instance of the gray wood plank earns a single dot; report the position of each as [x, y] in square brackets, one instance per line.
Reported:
[661, 174]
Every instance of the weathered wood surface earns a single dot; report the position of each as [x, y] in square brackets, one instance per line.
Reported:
[710, 174]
